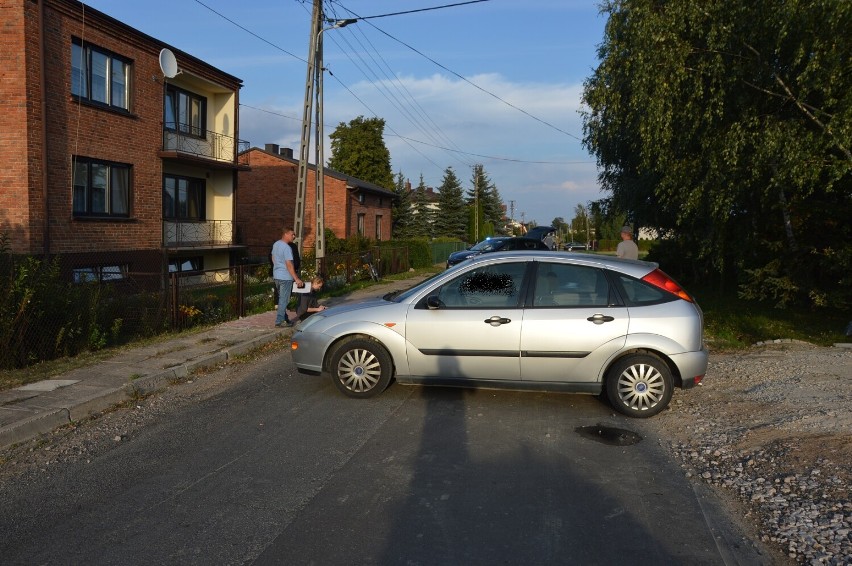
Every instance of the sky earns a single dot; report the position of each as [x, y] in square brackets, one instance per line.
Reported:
[494, 82]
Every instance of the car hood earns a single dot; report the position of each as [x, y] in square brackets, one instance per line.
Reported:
[356, 305]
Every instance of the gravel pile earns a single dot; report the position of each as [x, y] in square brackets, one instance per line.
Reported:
[773, 428]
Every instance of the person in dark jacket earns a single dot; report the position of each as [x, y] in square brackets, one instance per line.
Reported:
[308, 303]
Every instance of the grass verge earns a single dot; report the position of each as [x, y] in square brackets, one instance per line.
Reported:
[732, 323]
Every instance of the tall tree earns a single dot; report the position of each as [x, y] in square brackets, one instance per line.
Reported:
[401, 213]
[451, 220]
[358, 149]
[727, 124]
[484, 192]
[422, 217]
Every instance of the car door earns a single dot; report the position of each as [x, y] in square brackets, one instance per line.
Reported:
[475, 332]
[572, 324]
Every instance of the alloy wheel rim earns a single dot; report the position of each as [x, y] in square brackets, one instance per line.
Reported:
[359, 370]
[641, 387]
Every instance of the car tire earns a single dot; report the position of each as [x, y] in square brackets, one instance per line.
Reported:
[639, 385]
[361, 368]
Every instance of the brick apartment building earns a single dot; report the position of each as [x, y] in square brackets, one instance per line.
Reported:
[109, 164]
[268, 202]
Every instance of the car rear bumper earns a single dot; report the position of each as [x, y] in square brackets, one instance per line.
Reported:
[692, 366]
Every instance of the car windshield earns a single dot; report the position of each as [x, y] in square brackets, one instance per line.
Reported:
[484, 246]
[401, 295]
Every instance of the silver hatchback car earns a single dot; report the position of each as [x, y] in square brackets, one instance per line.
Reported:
[523, 320]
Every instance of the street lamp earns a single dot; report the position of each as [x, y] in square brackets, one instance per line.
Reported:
[314, 76]
[320, 158]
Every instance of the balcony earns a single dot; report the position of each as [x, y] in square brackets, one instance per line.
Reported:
[182, 142]
[207, 234]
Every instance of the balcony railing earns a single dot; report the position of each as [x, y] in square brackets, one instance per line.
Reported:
[204, 143]
[205, 233]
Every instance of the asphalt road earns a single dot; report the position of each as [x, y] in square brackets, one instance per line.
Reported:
[278, 468]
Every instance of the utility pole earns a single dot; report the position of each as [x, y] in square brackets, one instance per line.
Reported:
[320, 159]
[299, 223]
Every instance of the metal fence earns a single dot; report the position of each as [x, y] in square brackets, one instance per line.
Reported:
[47, 310]
[442, 250]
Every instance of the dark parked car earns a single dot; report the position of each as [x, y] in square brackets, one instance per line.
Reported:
[496, 244]
[573, 246]
[540, 232]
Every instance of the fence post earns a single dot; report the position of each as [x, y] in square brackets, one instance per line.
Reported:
[174, 296]
[241, 291]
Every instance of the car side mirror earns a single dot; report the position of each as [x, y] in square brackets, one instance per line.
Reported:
[433, 302]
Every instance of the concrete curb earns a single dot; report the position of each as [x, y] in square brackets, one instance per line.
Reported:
[107, 398]
[32, 427]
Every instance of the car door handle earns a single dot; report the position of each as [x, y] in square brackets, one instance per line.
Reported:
[497, 320]
[600, 319]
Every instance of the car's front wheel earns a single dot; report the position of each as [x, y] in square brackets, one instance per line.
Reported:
[361, 368]
[639, 385]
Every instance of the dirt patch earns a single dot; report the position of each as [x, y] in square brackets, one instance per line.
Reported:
[773, 427]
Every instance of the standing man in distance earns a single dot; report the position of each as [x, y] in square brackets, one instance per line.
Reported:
[284, 274]
[627, 248]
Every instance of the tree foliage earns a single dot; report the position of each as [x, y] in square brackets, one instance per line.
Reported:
[401, 212]
[484, 192]
[358, 149]
[452, 218]
[422, 217]
[727, 124]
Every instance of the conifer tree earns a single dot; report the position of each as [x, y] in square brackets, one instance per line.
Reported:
[422, 224]
[451, 220]
[401, 212]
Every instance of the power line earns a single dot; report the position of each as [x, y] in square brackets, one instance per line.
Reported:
[506, 102]
[412, 140]
[248, 31]
[423, 9]
[407, 140]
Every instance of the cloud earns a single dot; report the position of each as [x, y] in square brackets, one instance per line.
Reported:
[453, 123]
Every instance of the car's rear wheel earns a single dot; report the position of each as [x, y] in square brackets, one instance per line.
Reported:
[361, 368]
[639, 385]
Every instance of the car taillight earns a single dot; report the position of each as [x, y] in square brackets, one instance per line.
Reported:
[659, 279]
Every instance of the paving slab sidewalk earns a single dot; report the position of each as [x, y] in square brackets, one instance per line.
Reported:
[37, 408]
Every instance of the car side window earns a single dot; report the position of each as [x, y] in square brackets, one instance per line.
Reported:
[496, 285]
[564, 285]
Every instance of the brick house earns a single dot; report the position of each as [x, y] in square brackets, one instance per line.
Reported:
[268, 202]
[113, 167]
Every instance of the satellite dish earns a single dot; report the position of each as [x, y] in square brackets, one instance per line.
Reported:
[168, 63]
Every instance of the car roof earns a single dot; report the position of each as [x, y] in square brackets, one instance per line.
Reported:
[634, 267]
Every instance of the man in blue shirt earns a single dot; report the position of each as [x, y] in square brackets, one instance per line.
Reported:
[284, 274]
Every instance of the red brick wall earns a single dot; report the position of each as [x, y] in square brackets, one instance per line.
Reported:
[74, 128]
[266, 202]
[19, 98]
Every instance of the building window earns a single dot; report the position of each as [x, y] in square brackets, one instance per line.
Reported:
[186, 264]
[185, 112]
[100, 76]
[100, 273]
[101, 188]
[183, 198]
[361, 224]
[378, 227]
[362, 198]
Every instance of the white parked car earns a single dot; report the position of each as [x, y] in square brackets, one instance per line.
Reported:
[525, 320]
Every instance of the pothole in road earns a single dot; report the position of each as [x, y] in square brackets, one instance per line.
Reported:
[609, 435]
